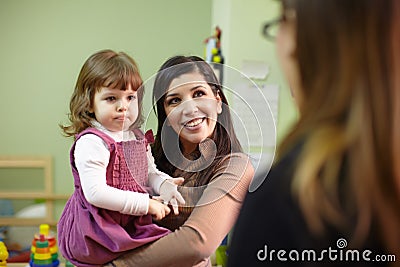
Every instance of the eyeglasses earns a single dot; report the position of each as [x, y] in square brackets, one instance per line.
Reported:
[270, 29]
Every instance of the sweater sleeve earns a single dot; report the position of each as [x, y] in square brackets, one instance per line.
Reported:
[207, 225]
[91, 160]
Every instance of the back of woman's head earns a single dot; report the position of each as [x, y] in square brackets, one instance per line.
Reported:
[104, 68]
[341, 46]
[345, 55]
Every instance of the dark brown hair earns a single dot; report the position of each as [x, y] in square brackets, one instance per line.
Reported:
[223, 136]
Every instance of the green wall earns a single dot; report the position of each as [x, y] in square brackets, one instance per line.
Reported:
[45, 42]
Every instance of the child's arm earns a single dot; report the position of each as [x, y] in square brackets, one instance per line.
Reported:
[164, 185]
[156, 177]
[157, 209]
[91, 160]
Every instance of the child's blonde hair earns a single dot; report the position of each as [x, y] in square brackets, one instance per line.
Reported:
[105, 68]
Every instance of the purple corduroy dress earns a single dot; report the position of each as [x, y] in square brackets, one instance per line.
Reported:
[92, 236]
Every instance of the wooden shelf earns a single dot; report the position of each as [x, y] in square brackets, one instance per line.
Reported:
[46, 193]
[25, 221]
[32, 195]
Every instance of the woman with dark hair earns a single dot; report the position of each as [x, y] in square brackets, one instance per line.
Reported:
[223, 132]
[332, 197]
[195, 140]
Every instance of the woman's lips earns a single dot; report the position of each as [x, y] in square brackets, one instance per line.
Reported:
[194, 123]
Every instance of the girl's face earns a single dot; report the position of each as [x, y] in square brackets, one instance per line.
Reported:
[192, 109]
[115, 109]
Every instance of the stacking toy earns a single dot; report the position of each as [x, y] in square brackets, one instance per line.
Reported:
[44, 251]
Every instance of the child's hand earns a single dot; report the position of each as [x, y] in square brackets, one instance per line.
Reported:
[157, 209]
[169, 193]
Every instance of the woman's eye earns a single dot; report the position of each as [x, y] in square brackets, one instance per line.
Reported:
[173, 101]
[198, 93]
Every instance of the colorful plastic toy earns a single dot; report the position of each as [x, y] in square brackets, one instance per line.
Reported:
[44, 251]
[3, 254]
[213, 52]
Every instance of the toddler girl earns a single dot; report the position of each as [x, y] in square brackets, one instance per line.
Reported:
[113, 168]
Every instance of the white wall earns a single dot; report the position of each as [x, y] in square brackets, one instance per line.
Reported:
[241, 23]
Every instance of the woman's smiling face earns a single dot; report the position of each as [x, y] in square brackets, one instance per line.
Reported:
[192, 109]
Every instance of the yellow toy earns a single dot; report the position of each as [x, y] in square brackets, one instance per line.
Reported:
[3, 254]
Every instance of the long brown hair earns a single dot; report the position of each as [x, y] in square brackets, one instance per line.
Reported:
[104, 68]
[224, 136]
[347, 124]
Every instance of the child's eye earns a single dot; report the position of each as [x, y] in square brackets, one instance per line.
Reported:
[131, 97]
[110, 98]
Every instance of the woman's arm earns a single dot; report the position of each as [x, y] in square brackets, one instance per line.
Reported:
[206, 227]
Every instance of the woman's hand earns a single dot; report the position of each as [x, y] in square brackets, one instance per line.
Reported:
[157, 209]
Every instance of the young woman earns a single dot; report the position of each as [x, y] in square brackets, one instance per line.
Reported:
[332, 197]
[195, 139]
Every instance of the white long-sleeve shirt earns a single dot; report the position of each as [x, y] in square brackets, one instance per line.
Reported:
[91, 160]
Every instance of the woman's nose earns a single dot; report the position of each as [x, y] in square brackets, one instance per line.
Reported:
[189, 107]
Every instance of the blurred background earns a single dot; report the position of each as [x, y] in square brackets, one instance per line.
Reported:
[44, 43]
